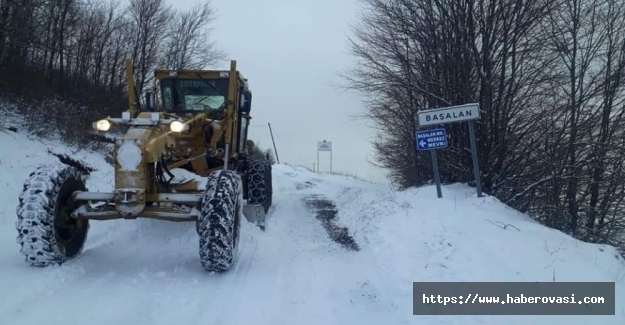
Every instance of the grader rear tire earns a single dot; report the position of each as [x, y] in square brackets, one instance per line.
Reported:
[260, 189]
[46, 233]
[220, 221]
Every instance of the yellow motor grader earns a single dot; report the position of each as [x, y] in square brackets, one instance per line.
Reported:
[192, 121]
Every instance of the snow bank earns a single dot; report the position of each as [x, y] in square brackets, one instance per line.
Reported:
[414, 236]
[148, 272]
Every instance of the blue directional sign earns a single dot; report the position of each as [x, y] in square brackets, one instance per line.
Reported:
[431, 139]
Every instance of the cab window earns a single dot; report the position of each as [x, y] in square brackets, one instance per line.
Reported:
[195, 95]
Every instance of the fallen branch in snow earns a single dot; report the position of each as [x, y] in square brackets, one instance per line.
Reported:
[503, 225]
[550, 264]
[549, 251]
[73, 162]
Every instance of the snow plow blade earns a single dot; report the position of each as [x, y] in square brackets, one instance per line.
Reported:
[255, 213]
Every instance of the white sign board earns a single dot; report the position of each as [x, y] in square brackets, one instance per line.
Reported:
[324, 146]
[450, 114]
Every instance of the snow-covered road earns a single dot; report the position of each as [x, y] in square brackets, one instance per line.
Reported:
[148, 272]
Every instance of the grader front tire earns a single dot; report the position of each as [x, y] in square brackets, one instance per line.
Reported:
[46, 233]
[220, 221]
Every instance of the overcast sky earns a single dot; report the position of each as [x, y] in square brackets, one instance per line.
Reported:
[290, 51]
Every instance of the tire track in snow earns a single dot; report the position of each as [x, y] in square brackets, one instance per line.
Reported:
[326, 212]
[149, 271]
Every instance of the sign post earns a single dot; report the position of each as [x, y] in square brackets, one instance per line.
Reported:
[324, 146]
[430, 140]
[454, 114]
[476, 166]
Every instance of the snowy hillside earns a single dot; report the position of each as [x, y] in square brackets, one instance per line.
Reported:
[305, 269]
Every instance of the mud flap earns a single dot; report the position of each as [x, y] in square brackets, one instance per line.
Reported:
[255, 213]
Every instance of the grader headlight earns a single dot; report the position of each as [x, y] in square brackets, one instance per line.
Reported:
[177, 126]
[102, 125]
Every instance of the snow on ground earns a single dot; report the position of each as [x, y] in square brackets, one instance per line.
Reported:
[148, 272]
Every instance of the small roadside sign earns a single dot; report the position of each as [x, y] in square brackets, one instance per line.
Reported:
[324, 145]
[431, 139]
[452, 114]
[437, 139]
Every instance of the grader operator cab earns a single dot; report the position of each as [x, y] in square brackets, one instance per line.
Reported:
[194, 121]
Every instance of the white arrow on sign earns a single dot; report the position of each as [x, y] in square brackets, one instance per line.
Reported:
[422, 143]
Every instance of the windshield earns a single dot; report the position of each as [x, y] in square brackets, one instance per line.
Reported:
[195, 95]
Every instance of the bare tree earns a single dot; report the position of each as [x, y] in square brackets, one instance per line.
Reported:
[188, 44]
[548, 76]
[263, 154]
[150, 22]
[64, 59]
[611, 103]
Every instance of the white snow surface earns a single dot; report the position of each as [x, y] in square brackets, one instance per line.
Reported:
[148, 272]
